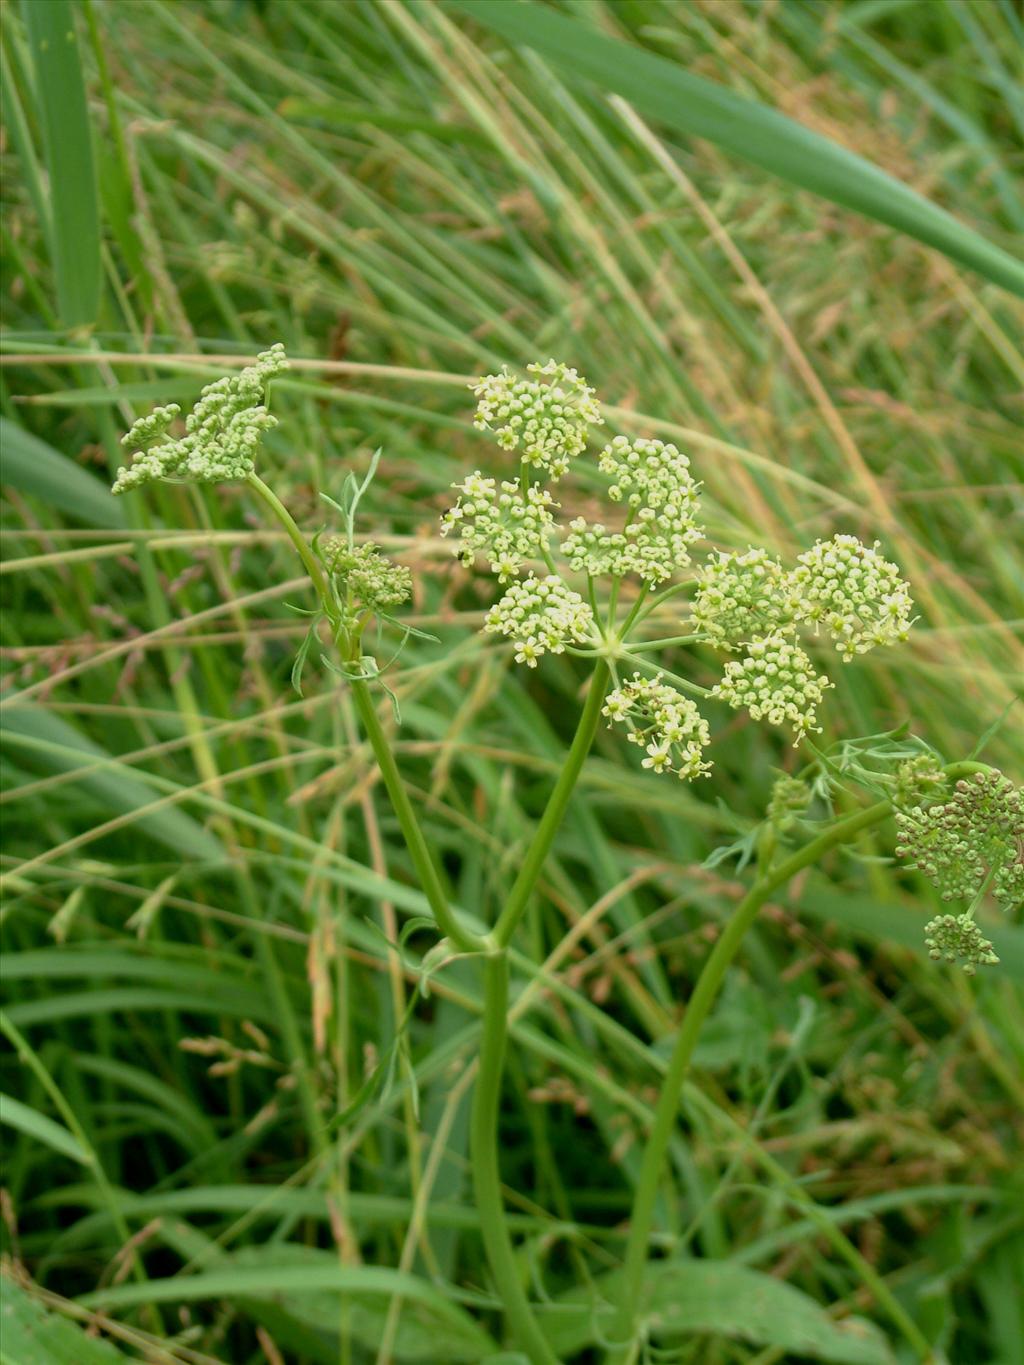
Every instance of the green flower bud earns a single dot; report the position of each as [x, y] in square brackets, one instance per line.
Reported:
[222, 432]
[374, 581]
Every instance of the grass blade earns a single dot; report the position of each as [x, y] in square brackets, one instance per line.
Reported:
[692, 105]
[32, 466]
[39, 1128]
[60, 91]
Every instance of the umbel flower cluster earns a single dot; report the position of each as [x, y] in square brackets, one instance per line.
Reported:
[545, 418]
[653, 481]
[747, 604]
[971, 842]
[541, 615]
[958, 938]
[776, 682]
[222, 432]
[967, 842]
[375, 583]
[666, 725]
[506, 522]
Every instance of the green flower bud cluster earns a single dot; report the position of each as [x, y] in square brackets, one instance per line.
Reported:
[973, 840]
[857, 595]
[918, 781]
[660, 494]
[545, 417]
[666, 725]
[374, 581]
[741, 597]
[542, 615]
[503, 522]
[222, 432]
[775, 680]
[790, 798]
[955, 937]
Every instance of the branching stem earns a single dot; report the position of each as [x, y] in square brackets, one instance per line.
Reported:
[697, 1010]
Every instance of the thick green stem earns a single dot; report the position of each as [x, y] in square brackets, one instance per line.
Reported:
[484, 1145]
[485, 1134]
[697, 1010]
[554, 811]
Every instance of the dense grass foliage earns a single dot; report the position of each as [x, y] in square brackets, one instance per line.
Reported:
[204, 884]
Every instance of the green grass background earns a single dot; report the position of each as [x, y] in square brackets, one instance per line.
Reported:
[201, 868]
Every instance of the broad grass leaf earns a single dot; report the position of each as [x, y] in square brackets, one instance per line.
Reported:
[880, 922]
[32, 466]
[689, 104]
[309, 1286]
[718, 1298]
[46, 742]
[34, 1336]
[67, 137]
[40, 1128]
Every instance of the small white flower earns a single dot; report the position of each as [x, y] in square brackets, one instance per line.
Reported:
[658, 756]
[528, 651]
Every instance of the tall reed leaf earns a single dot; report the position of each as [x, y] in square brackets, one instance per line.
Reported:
[692, 105]
[74, 205]
[32, 466]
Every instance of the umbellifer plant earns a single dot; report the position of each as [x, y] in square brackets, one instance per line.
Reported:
[596, 591]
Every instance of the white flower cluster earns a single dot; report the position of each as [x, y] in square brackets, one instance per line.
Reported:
[667, 725]
[222, 432]
[542, 615]
[660, 494]
[741, 597]
[857, 595]
[775, 680]
[502, 522]
[545, 417]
